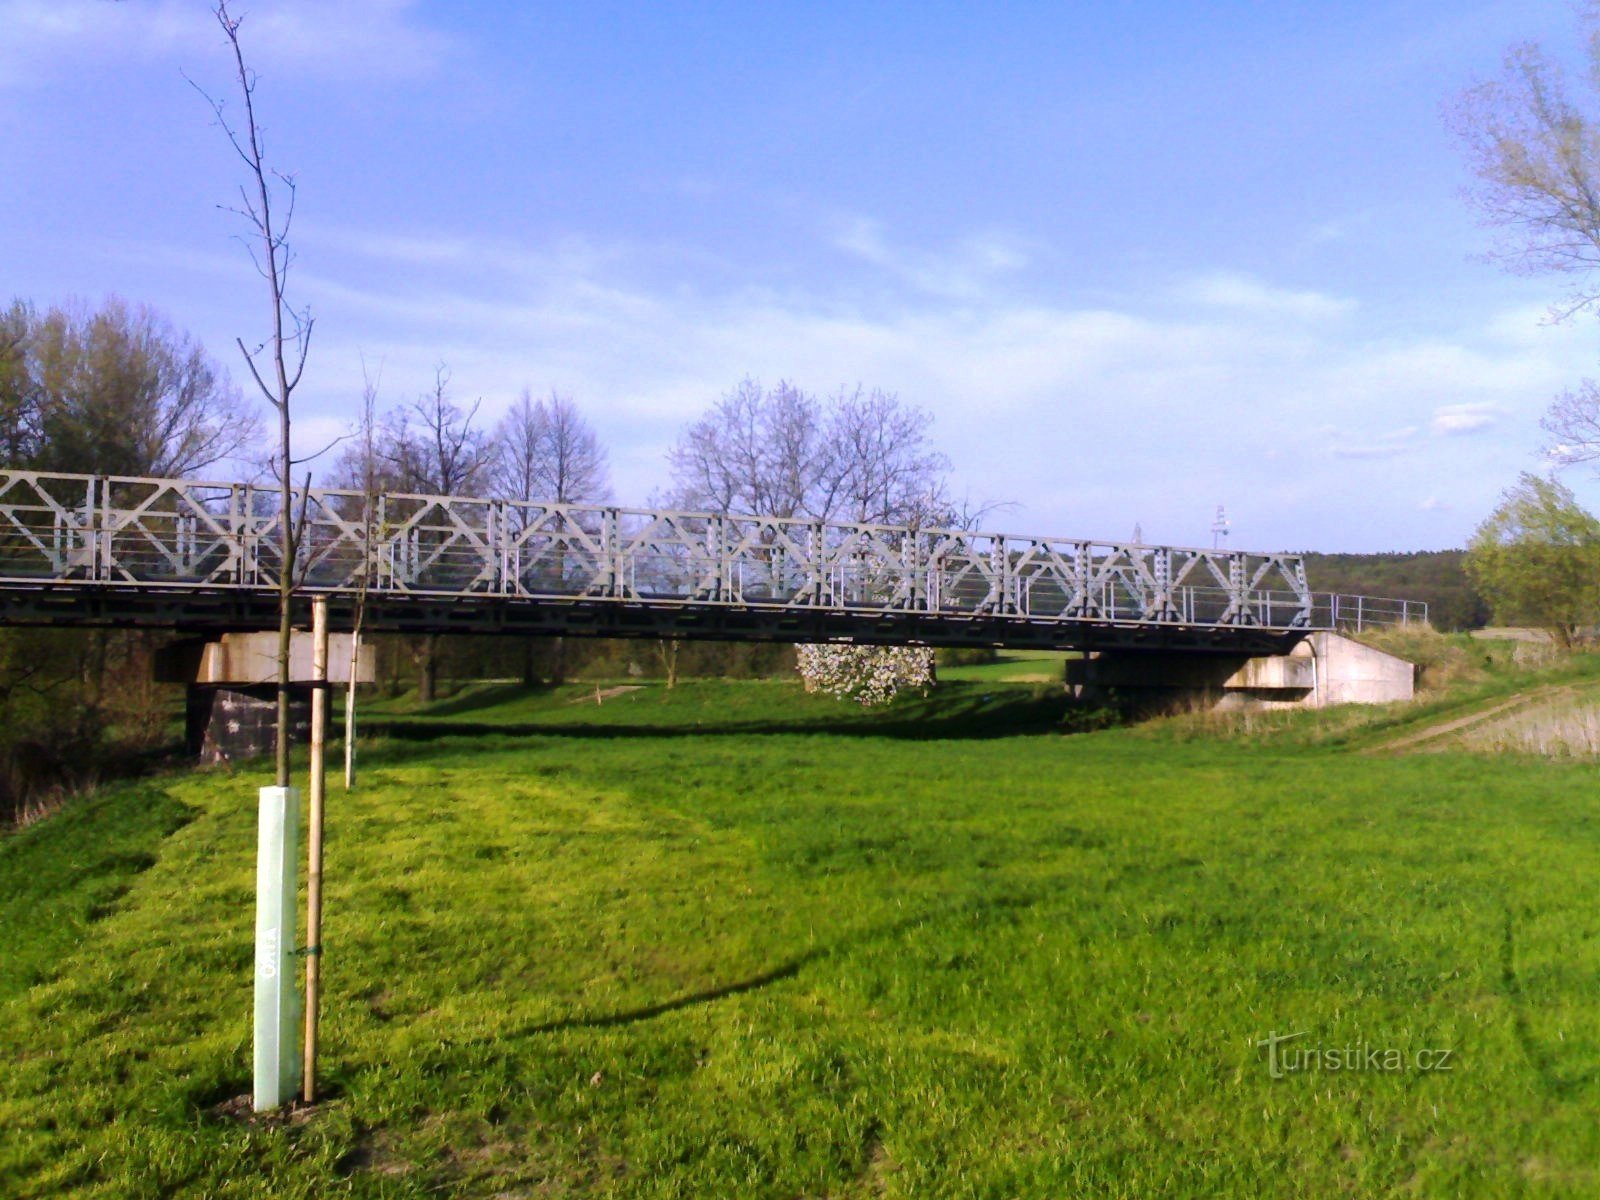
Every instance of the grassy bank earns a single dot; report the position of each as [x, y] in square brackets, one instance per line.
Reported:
[731, 940]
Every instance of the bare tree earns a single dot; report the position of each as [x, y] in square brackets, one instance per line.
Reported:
[755, 451]
[861, 456]
[544, 450]
[277, 363]
[1533, 141]
[885, 470]
[430, 446]
[1573, 424]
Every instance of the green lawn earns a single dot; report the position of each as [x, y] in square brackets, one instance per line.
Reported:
[733, 941]
[1014, 666]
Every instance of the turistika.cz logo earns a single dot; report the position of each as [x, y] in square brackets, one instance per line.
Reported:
[1287, 1055]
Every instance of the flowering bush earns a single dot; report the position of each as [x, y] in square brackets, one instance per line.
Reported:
[870, 675]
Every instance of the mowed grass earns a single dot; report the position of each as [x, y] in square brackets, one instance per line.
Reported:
[1013, 666]
[674, 946]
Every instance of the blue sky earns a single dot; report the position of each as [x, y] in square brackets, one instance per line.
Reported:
[1138, 260]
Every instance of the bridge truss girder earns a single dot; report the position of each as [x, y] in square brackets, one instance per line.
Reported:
[78, 549]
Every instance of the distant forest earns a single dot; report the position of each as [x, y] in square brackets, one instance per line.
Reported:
[1435, 576]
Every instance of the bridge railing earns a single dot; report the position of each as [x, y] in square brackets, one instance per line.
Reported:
[159, 533]
[1356, 614]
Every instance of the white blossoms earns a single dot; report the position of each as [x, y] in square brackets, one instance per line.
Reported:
[870, 675]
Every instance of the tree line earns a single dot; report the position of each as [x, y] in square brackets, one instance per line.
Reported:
[120, 390]
[777, 451]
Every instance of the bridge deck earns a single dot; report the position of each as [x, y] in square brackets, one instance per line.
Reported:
[98, 550]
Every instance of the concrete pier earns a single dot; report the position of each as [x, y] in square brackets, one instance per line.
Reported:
[232, 706]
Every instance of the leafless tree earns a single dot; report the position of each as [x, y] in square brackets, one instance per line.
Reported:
[431, 447]
[1573, 425]
[861, 456]
[545, 450]
[277, 363]
[755, 451]
[885, 471]
[1533, 141]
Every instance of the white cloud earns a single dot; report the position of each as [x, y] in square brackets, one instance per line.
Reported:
[964, 270]
[356, 39]
[1090, 416]
[1243, 293]
[1463, 418]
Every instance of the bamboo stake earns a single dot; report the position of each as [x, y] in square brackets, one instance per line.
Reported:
[319, 737]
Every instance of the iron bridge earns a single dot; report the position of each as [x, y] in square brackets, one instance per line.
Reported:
[207, 557]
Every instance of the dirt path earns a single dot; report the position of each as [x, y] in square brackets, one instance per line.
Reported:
[1519, 700]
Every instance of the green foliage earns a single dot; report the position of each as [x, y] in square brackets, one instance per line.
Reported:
[796, 960]
[1537, 559]
[1436, 577]
[76, 706]
[114, 391]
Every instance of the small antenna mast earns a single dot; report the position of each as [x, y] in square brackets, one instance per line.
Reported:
[1219, 529]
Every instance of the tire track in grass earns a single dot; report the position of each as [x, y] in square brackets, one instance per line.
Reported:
[1515, 703]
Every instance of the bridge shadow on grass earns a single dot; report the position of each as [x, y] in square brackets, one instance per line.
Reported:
[1547, 1061]
[650, 1011]
[993, 907]
[991, 716]
[476, 699]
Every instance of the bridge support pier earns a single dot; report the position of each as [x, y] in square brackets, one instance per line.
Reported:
[232, 722]
[231, 712]
[1323, 668]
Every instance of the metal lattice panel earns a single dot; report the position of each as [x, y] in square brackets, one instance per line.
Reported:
[113, 536]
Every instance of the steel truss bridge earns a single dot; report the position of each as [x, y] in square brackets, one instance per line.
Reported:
[207, 557]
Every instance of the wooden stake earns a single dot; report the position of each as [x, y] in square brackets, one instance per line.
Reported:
[319, 746]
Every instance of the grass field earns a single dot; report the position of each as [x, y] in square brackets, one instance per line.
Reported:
[1013, 666]
[735, 941]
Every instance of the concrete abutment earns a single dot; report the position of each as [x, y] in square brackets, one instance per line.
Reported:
[1322, 669]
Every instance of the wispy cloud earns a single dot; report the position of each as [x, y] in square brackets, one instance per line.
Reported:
[1091, 416]
[1242, 293]
[964, 270]
[1451, 419]
[356, 39]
